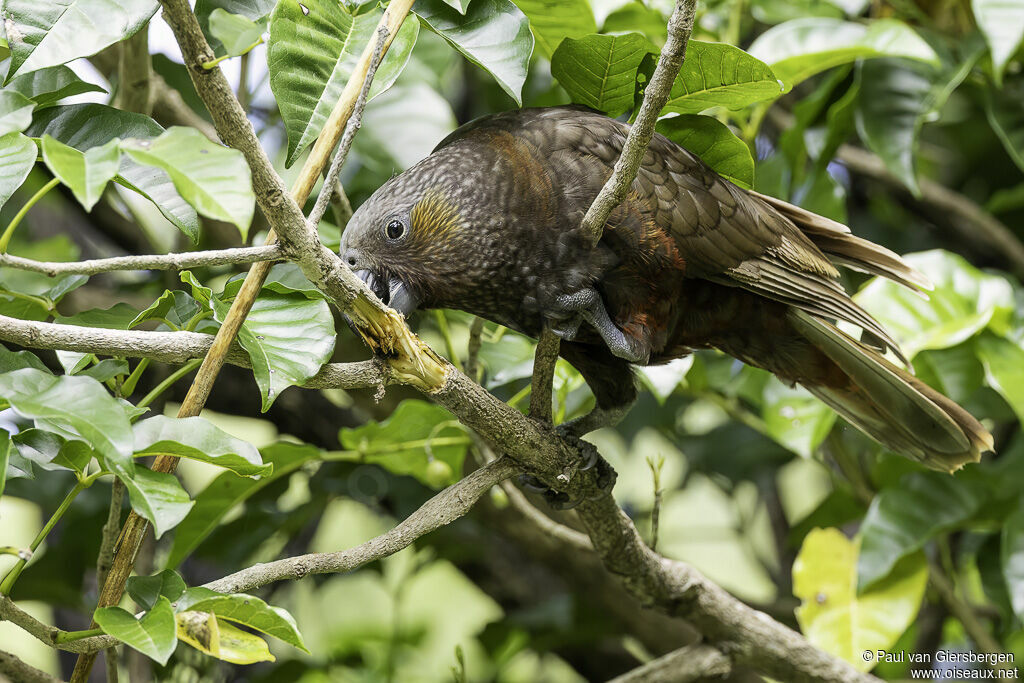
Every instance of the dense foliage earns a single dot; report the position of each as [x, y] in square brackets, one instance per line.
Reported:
[902, 119]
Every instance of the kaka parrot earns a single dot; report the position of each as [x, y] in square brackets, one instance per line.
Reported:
[489, 223]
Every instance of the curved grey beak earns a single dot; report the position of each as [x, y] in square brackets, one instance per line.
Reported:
[394, 293]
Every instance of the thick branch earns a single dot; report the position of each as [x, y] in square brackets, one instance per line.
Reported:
[685, 665]
[19, 672]
[192, 259]
[680, 24]
[544, 361]
[171, 347]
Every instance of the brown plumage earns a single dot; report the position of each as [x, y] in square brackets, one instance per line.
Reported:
[489, 224]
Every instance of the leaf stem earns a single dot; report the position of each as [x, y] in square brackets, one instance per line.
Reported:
[71, 636]
[169, 380]
[5, 239]
[15, 572]
[446, 333]
[214, 62]
[128, 386]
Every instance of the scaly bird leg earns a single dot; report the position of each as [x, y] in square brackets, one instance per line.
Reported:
[590, 307]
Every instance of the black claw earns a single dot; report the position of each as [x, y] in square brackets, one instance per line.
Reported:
[532, 484]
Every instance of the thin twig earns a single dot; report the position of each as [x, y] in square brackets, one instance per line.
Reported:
[687, 664]
[105, 559]
[444, 508]
[171, 347]
[351, 128]
[544, 360]
[476, 330]
[680, 25]
[182, 261]
[341, 207]
[656, 467]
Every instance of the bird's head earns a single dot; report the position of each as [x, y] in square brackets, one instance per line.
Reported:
[408, 241]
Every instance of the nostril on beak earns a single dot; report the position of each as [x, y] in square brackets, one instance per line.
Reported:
[352, 260]
[351, 257]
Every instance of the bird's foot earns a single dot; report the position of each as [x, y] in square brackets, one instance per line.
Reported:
[586, 305]
[591, 460]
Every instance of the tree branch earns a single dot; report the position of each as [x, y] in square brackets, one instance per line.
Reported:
[748, 636]
[19, 672]
[48, 634]
[444, 508]
[355, 121]
[134, 74]
[183, 261]
[172, 347]
[685, 665]
[680, 24]
[544, 361]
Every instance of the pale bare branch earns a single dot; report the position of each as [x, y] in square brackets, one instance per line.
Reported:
[183, 261]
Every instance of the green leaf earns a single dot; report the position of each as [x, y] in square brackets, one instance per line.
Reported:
[897, 97]
[147, 590]
[1012, 552]
[313, 48]
[212, 178]
[636, 16]
[890, 111]
[494, 34]
[600, 71]
[84, 126]
[158, 497]
[250, 9]
[86, 173]
[235, 32]
[553, 20]
[15, 112]
[5, 455]
[217, 638]
[1003, 361]
[964, 302]
[390, 135]
[228, 490]
[16, 360]
[174, 307]
[268, 335]
[154, 635]
[117, 317]
[904, 517]
[52, 451]
[43, 34]
[46, 87]
[407, 441]
[79, 403]
[461, 5]
[794, 418]
[714, 143]
[716, 75]
[106, 369]
[798, 49]
[246, 610]
[198, 439]
[1002, 23]
[17, 157]
[831, 614]
[1005, 112]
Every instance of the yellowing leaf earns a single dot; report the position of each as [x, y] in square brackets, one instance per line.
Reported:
[832, 615]
[220, 639]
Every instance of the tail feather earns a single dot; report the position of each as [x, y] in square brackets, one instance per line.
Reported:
[835, 240]
[890, 405]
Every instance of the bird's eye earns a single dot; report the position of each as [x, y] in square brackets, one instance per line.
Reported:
[394, 229]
